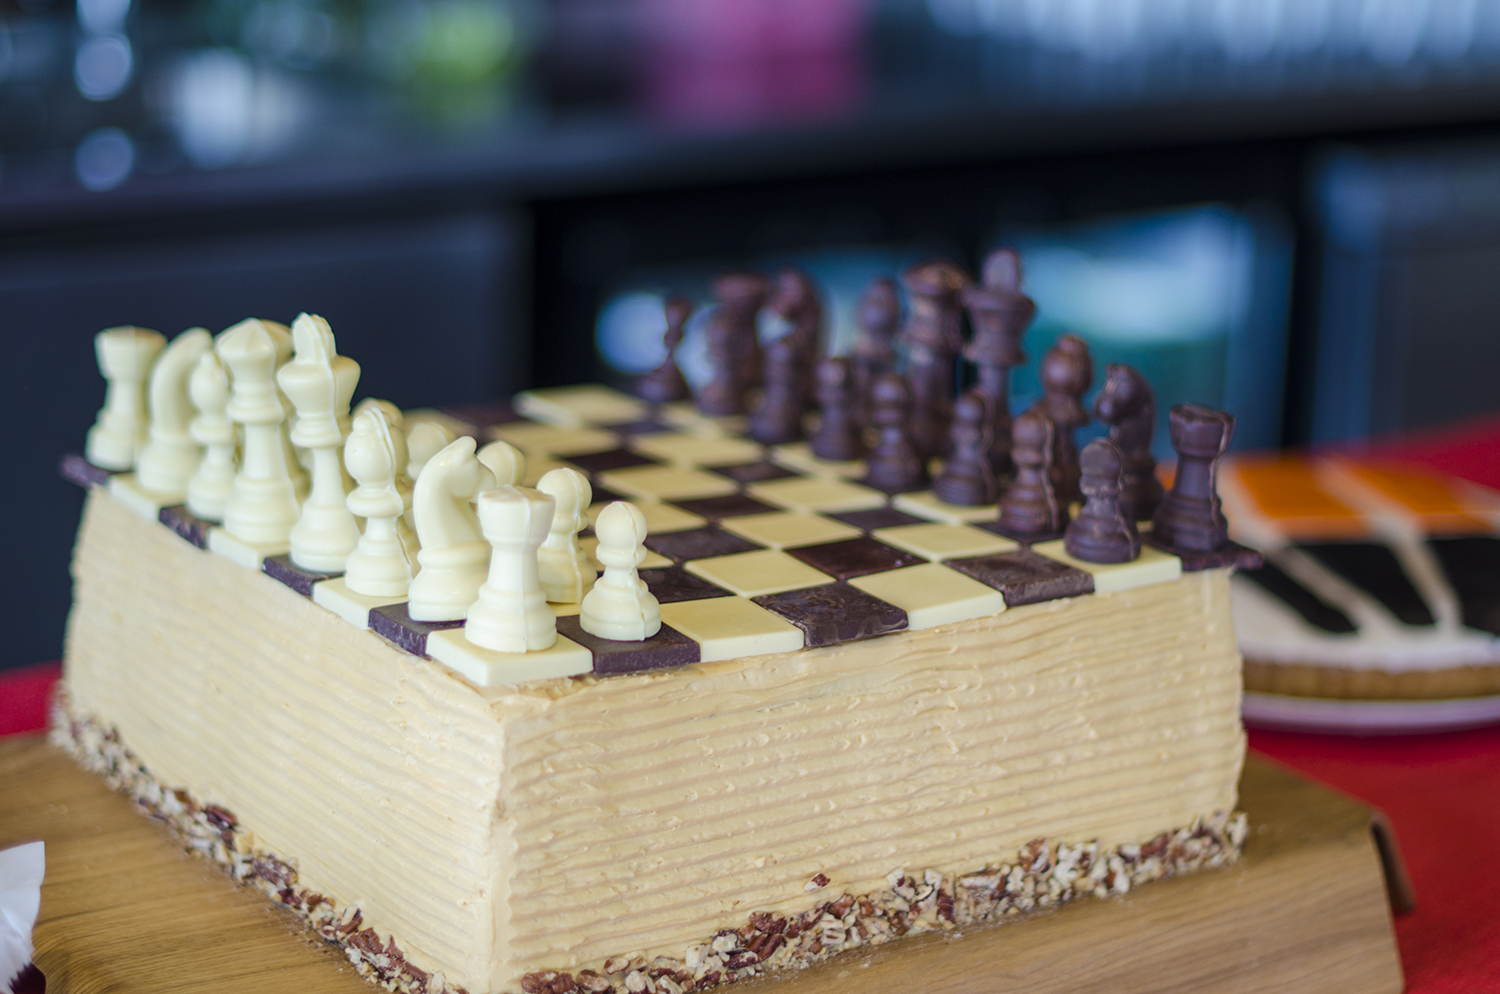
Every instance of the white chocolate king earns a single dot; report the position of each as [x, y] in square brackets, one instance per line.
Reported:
[511, 612]
[564, 568]
[620, 606]
[120, 432]
[172, 455]
[455, 556]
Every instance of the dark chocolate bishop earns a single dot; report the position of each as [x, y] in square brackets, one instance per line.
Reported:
[874, 352]
[967, 478]
[1191, 519]
[894, 464]
[1030, 510]
[839, 437]
[795, 301]
[733, 346]
[933, 336]
[665, 384]
[1067, 373]
[1127, 404]
[999, 314]
[778, 420]
[1101, 533]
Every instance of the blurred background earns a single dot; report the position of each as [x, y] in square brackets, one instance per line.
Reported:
[1288, 208]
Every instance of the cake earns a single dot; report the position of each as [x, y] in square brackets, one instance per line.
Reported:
[857, 722]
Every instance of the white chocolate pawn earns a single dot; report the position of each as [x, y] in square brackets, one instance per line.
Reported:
[424, 440]
[455, 556]
[510, 613]
[263, 507]
[119, 433]
[621, 607]
[397, 422]
[171, 456]
[565, 570]
[382, 563]
[320, 382]
[212, 485]
[505, 461]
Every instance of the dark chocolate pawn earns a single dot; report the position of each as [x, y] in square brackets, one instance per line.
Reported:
[967, 479]
[778, 420]
[1128, 405]
[733, 343]
[1067, 372]
[838, 438]
[665, 384]
[1030, 510]
[1191, 519]
[933, 337]
[1000, 314]
[894, 465]
[874, 352]
[1101, 533]
[796, 302]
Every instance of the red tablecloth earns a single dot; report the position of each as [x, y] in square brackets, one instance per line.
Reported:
[1442, 792]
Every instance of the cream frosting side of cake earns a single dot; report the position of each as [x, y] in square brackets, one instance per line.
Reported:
[553, 825]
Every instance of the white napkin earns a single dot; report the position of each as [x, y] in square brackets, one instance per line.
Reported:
[21, 870]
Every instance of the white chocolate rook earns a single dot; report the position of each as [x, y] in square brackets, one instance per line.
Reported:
[125, 358]
[511, 613]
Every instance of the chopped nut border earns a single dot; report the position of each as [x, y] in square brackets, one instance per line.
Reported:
[1044, 873]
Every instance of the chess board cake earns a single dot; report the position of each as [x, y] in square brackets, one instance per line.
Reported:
[1381, 580]
[861, 715]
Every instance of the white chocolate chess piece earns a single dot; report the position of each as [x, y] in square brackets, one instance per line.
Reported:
[320, 382]
[212, 485]
[263, 507]
[424, 440]
[621, 607]
[171, 456]
[510, 613]
[505, 461]
[455, 556]
[565, 570]
[119, 433]
[382, 564]
[397, 422]
[297, 459]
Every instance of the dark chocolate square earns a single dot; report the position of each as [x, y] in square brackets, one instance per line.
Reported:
[301, 580]
[878, 517]
[603, 462]
[1228, 554]
[853, 557]
[1024, 577]
[482, 416]
[645, 426]
[698, 543]
[603, 495]
[995, 528]
[834, 613]
[394, 623]
[670, 584]
[76, 469]
[666, 648]
[189, 526]
[728, 506]
[754, 472]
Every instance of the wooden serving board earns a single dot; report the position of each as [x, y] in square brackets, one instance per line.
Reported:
[125, 910]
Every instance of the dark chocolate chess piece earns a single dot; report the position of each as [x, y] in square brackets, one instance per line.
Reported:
[933, 336]
[967, 478]
[838, 438]
[1191, 518]
[874, 352]
[796, 302]
[894, 464]
[1030, 510]
[778, 420]
[1067, 372]
[1127, 404]
[665, 384]
[1101, 533]
[1000, 314]
[733, 345]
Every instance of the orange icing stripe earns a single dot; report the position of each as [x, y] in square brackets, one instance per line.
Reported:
[1285, 490]
[1442, 503]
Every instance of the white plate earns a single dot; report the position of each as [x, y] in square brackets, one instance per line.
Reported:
[1315, 714]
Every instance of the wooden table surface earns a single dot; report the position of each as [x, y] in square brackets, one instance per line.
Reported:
[125, 909]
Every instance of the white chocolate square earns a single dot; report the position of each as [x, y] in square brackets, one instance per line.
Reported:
[788, 529]
[732, 627]
[932, 595]
[660, 518]
[123, 488]
[697, 450]
[251, 555]
[818, 494]
[666, 483]
[417, 415]
[939, 541]
[1153, 566]
[550, 440]
[925, 504]
[686, 416]
[538, 468]
[799, 455]
[354, 608]
[589, 543]
[574, 407]
[487, 668]
[764, 571]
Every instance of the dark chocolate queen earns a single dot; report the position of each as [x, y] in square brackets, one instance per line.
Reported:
[999, 314]
[933, 337]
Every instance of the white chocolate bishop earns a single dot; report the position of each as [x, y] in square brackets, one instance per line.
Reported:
[263, 508]
[171, 456]
[455, 556]
[320, 382]
[212, 485]
[511, 612]
[621, 607]
[564, 568]
[120, 432]
[382, 565]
